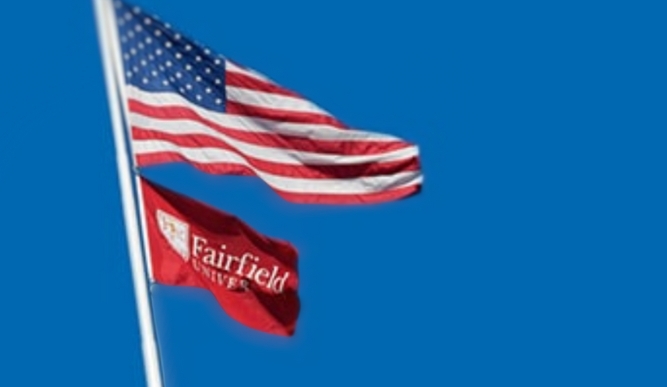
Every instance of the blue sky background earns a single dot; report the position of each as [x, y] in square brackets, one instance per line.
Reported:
[535, 255]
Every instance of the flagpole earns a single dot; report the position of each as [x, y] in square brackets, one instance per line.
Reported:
[104, 15]
[118, 67]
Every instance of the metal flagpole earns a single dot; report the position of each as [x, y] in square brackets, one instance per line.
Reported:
[104, 15]
[118, 67]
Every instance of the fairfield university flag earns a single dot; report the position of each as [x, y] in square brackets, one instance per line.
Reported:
[253, 277]
[189, 104]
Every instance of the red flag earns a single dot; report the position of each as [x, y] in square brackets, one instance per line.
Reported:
[253, 277]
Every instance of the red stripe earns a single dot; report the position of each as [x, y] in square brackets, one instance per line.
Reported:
[368, 198]
[282, 169]
[145, 160]
[248, 82]
[341, 147]
[282, 115]
[306, 198]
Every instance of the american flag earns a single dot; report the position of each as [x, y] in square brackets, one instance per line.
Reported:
[189, 104]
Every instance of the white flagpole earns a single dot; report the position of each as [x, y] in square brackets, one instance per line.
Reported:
[104, 14]
[112, 30]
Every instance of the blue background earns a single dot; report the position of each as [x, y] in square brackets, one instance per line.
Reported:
[534, 256]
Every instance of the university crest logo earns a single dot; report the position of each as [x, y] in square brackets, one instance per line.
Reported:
[176, 232]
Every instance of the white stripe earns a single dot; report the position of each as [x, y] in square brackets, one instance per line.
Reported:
[229, 66]
[185, 127]
[255, 125]
[266, 100]
[360, 185]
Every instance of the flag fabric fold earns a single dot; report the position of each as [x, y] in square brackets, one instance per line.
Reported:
[189, 104]
[253, 277]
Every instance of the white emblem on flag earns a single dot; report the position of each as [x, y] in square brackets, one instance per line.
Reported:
[177, 233]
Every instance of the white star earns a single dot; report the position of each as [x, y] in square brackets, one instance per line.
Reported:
[168, 63]
[167, 44]
[188, 86]
[143, 62]
[218, 101]
[198, 58]
[144, 80]
[133, 51]
[165, 83]
[188, 67]
[126, 56]
[150, 57]
[217, 81]
[158, 52]
[198, 97]
[208, 71]
[149, 40]
[182, 90]
[217, 61]
[138, 28]
[178, 75]
[177, 36]
[128, 16]
[208, 90]
[207, 51]
[198, 78]
[154, 73]
[188, 47]
[141, 46]
[129, 74]
[147, 21]
[178, 55]
[130, 34]
[136, 10]
[157, 33]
